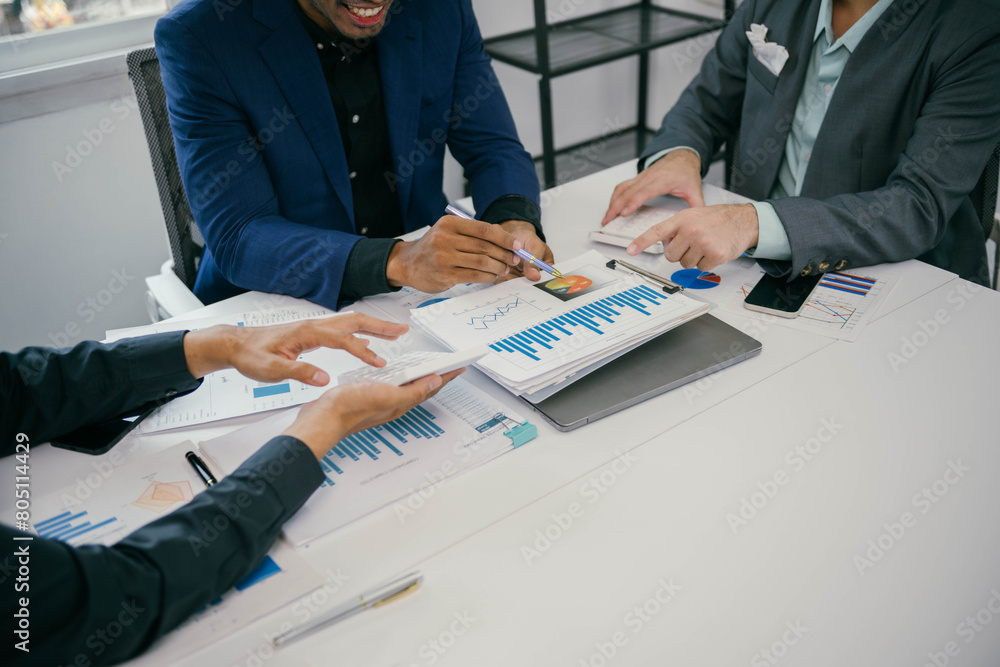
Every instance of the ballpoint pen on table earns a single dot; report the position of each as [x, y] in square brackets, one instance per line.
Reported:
[522, 253]
[669, 286]
[374, 598]
[200, 468]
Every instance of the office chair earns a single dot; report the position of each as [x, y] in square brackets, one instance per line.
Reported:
[169, 293]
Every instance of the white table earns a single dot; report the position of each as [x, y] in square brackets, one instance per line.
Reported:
[619, 543]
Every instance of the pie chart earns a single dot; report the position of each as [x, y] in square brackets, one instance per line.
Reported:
[695, 279]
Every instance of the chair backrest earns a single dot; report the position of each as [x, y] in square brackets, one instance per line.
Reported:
[984, 196]
[186, 243]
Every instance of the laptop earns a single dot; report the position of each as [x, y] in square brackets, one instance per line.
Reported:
[672, 359]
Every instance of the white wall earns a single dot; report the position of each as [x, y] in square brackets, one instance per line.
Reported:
[63, 236]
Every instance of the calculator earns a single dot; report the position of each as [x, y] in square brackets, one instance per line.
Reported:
[412, 365]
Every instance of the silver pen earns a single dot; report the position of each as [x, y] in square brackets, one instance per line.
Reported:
[374, 598]
[669, 286]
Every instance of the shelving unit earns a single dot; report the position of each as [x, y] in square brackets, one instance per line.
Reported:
[558, 49]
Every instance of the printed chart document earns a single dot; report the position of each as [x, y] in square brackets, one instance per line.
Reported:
[103, 508]
[227, 394]
[541, 333]
[840, 307]
[459, 428]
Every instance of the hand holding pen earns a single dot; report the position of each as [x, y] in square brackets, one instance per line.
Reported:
[529, 261]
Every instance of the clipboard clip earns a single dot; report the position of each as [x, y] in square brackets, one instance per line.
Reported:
[520, 433]
[669, 286]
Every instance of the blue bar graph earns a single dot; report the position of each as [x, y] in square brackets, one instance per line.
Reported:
[593, 318]
[272, 390]
[393, 438]
[68, 525]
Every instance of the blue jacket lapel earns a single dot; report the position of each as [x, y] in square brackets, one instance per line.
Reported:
[289, 55]
[400, 57]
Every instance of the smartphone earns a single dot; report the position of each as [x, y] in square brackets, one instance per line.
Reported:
[777, 296]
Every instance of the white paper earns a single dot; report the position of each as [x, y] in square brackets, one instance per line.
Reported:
[539, 334]
[112, 502]
[459, 428]
[226, 394]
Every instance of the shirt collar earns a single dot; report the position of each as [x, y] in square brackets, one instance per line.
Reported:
[853, 37]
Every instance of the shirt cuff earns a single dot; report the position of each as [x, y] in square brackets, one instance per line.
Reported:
[514, 207]
[772, 241]
[656, 156]
[364, 274]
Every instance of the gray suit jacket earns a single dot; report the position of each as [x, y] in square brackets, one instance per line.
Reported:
[909, 130]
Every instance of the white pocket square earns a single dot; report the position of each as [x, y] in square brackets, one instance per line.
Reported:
[772, 56]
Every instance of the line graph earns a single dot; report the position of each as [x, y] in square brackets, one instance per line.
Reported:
[828, 312]
[481, 319]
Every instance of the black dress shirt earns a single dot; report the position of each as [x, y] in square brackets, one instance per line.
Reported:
[355, 87]
[94, 605]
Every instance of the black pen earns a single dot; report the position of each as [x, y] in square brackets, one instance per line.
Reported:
[200, 468]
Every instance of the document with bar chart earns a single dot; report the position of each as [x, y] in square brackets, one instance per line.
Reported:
[227, 394]
[840, 307]
[461, 427]
[115, 500]
[542, 333]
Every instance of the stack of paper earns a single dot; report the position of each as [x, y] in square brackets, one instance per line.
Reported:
[458, 429]
[541, 334]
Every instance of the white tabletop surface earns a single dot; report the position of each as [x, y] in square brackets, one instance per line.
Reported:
[623, 542]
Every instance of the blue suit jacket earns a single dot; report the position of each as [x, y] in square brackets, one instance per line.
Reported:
[908, 133]
[260, 151]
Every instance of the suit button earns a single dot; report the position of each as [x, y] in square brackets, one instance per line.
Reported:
[806, 271]
[841, 264]
[170, 393]
[364, 230]
[354, 175]
[356, 118]
[823, 267]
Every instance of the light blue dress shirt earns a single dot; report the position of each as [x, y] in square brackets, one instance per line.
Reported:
[829, 57]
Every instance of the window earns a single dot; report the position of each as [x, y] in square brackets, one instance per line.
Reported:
[35, 33]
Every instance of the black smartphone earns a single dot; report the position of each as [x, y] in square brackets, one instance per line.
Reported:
[778, 296]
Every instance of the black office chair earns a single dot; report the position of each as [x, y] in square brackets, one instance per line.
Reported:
[984, 199]
[186, 243]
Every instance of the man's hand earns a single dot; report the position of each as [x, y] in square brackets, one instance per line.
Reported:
[677, 173]
[526, 236]
[350, 408]
[703, 237]
[269, 354]
[454, 251]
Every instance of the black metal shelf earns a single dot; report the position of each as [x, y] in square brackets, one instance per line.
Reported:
[595, 39]
[600, 38]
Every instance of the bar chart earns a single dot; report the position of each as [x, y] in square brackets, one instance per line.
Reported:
[68, 526]
[408, 434]
[577, 326]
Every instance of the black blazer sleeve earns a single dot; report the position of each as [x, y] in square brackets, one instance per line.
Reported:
[100, 605]
[48, 393]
